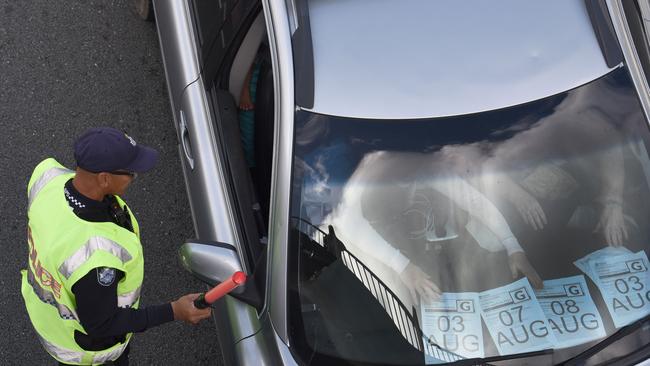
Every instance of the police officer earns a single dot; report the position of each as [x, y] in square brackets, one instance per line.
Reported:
[82, 285]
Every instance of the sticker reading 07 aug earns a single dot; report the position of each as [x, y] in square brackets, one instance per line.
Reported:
[570, 311]
[453, 323]
[624, 282]
[515, 319]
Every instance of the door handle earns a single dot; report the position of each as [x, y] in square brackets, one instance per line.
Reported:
[185, 140]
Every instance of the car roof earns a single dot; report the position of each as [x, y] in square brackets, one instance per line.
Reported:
[421, 58]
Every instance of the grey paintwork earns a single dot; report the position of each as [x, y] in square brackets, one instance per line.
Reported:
[206, 185]
[200, 158]
[630, 54]
[423, 58]
[281, 57]
[177, 46]
[644, 6]
[213, 263]
[210, 262]
[267, 348]
[211, 208]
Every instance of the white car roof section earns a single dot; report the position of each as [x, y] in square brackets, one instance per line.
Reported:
[432, 58]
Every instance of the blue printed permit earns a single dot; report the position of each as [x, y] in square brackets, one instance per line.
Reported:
[515, 319]
[607, 252]
[570, 311]
[453, 324]
[624, 282]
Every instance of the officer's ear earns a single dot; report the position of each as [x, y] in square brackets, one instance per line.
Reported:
[104, 180]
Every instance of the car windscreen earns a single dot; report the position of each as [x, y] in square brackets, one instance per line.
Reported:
[520, 232]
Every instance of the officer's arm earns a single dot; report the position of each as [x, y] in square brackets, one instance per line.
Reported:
[96, 298]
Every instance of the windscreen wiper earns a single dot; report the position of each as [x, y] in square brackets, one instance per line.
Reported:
[625, 331]
[485, 361]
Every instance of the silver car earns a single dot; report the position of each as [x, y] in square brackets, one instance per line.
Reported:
[417, 182]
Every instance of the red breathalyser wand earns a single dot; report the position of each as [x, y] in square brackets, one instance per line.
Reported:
[206, 299]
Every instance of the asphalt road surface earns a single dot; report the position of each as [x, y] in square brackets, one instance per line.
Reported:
[69, 65]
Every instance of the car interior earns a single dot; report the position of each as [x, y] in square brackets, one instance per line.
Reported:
[250, 185]
[634, 16]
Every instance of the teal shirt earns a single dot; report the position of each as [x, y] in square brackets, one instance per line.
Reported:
[247, 120]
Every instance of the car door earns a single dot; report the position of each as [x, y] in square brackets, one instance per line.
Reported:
[178, 48]
[226, 64]
[202, 111]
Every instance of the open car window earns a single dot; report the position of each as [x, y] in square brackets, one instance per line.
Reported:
[519, 232]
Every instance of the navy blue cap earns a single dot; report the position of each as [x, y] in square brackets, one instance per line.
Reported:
[105, 149]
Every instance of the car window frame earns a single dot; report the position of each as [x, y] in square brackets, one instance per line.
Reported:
[215, 72]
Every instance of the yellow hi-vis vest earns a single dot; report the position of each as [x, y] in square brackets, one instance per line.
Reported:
[62, 249]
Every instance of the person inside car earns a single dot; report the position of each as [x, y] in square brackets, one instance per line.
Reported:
[398, 204]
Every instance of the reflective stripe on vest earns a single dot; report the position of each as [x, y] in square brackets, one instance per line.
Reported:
[129, 299]
[48, 297]
[109, 356]
[65, 355]
[93, 244]
[70, 356]
[44, 179]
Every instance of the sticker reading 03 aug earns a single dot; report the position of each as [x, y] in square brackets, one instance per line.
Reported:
[624, 283]
[453, 323]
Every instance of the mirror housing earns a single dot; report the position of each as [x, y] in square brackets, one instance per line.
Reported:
[213, 262]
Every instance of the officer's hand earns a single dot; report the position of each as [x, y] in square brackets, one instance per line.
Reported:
[185, 310]
[519, 265]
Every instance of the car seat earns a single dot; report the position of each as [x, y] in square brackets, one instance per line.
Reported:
[264, 131]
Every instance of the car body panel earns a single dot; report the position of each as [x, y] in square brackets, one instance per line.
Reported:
[547, 48]
[279, 34]
[203, 172]
[208, 198]
[264, 348]
[179, 52]
[200, 157]
[630, 54]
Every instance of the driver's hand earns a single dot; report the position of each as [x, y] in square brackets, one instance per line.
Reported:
[419, 283]
[245, 100]
[529, 209]
[519, 265]
[612, 225]
[185, 310]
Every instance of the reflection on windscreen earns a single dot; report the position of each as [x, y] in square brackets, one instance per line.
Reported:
[500, 233]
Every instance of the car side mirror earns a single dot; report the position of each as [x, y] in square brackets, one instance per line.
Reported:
[213, 262]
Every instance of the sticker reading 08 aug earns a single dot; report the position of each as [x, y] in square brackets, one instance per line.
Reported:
[570, 311]
[515, 319]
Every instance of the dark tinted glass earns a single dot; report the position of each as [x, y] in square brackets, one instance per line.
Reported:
[427, 241]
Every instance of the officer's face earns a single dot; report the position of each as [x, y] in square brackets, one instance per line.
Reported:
[115, 183]
[119, 183]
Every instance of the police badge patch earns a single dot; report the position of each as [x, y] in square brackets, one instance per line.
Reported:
[105, 276]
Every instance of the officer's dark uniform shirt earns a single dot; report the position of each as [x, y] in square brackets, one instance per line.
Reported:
[96, 292]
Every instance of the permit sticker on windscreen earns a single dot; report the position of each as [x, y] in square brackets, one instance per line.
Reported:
[607, 252]
[453, 323]
[515, 319]
[570, 311]
[623, 281]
